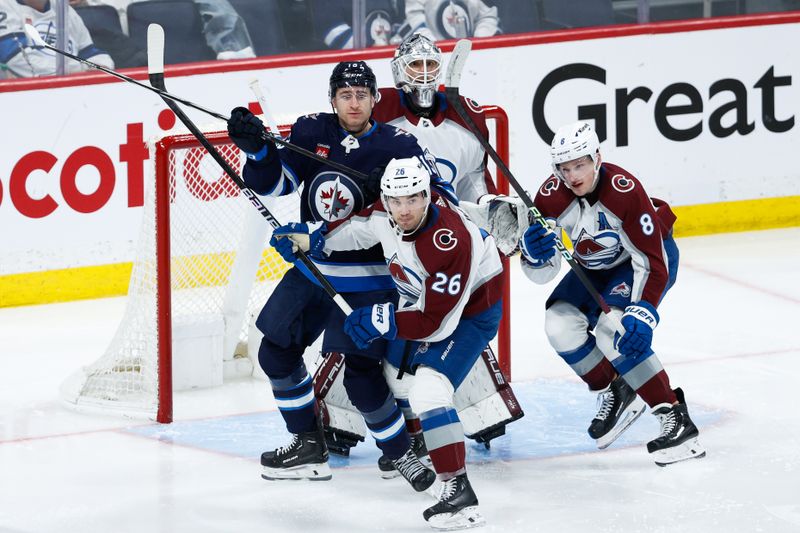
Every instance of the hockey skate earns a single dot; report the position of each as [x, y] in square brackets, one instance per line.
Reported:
[305, 457]
[386, 466]
[417, 474]
[678, 439]
[618, 407]
[457, 507]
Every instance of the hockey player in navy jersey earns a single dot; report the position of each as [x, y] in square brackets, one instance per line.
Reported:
[299, 310]
[449, 275]
[623, 240]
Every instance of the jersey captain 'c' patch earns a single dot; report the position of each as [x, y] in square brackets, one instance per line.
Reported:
[333, 196]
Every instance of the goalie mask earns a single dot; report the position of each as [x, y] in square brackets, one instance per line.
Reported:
[417, 68]
[402, 180]
[352, 74]
[572, 142]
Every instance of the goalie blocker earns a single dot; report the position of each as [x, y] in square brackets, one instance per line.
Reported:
[485, 403]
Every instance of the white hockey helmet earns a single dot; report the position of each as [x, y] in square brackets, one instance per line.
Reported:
[405, 177]
[572, 142]
[420, 83]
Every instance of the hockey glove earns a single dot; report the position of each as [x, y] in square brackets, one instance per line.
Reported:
[371, 188]
[366, 324]
[308, 237]
[247, 132]
[538, 244]
[639, 321]
[507, 220]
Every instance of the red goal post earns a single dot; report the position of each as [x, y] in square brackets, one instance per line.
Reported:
[203, 269]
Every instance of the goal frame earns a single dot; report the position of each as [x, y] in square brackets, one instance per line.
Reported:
[169, 143]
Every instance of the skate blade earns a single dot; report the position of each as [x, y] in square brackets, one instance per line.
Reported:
[311, 472]
[691, 449]
[389, 474]
[631, 414]
[467, 517]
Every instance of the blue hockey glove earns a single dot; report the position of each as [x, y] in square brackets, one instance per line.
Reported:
[247, 132]
[639, 321]
[308, 237]
[538, 244]
[366, 324]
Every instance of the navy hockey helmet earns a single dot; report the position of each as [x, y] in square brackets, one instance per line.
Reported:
[352, 74]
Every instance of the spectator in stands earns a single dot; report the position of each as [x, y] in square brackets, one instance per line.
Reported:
[20, 58]
[224, 29]
[443, 19]
[333, 20]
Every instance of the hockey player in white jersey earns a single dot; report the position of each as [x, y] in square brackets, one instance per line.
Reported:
[22, 59]
[449, 276]
[623, 240]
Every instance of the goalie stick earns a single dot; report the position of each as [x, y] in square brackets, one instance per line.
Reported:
[452, 81]
[275, 137]
[155, 69]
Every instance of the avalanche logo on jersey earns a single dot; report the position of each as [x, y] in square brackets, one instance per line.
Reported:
[447, 170]
[408, 283]
[595, 251]
[332, 196]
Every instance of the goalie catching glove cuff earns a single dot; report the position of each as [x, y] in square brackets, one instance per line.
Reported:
[367, 324]
[247, 132]
[308, 237]
[639, 321]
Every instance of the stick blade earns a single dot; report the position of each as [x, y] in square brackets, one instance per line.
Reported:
[155, 49]
[457, 60]
[33, 35]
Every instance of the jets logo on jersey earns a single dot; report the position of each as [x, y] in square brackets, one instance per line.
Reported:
[444, 240]
[333, 196]
[452, 19]
[408, 284]
[594, 251]
[323, 150]
[622, 289]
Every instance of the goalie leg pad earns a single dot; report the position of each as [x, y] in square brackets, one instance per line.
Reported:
[485, 401]
[343, 424]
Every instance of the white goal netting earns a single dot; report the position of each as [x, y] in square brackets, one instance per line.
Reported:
[222, 270]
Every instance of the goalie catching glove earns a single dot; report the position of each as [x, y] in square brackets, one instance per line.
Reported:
[308, 237]
[505, 217]
[367, 324]
[639, 322]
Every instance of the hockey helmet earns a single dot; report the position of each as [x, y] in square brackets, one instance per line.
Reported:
[405, 177]
[420, 80]
[572, 142]
[352, 74]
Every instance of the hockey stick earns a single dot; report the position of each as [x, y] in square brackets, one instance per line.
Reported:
[452, 81]
[34, 36]
[155, 69]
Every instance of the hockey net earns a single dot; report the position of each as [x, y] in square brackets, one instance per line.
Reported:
[203, 270]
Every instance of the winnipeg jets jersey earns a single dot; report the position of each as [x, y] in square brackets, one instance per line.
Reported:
[452, 19]
[448, 269]
[24, 60]
[460, 158]
[616, 223]
[328, 194]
